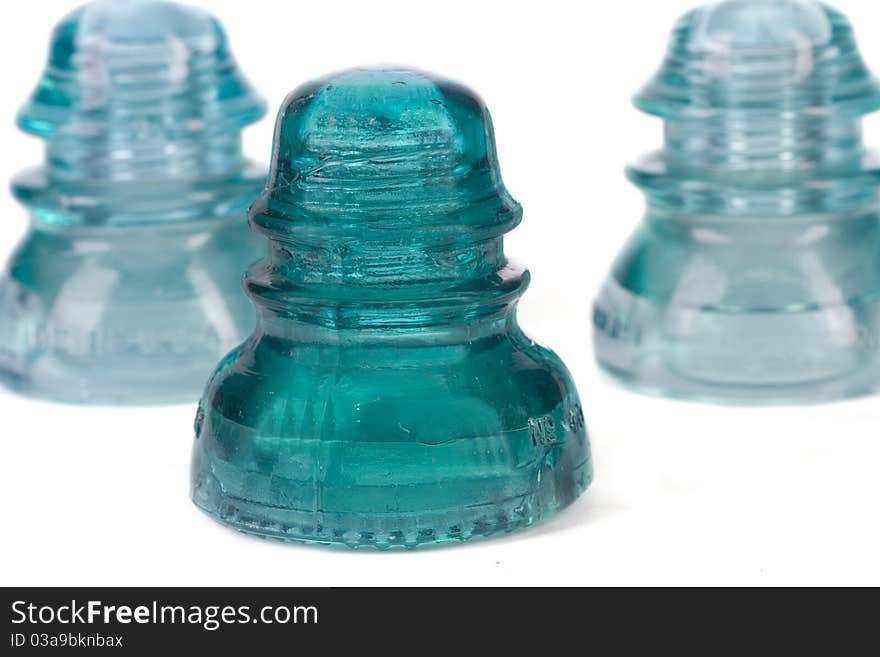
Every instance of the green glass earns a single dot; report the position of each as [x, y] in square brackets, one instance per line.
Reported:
[126, 288]
[388, 397]
[754, 275]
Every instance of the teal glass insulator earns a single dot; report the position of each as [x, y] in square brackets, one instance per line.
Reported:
[127, 286]
[388, 397]
[753, 277]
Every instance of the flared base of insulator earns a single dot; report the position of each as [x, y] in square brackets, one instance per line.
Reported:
[794, 355]
[487, 516]
[385, 440]
[116, 317]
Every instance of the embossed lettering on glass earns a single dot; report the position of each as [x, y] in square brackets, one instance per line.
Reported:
[388, 397]
[127, 286]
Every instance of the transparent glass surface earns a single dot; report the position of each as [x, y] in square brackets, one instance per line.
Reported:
[127, 285]
[754, 274]
[388, 397]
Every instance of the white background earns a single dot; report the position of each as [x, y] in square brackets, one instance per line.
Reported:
[684, 493]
